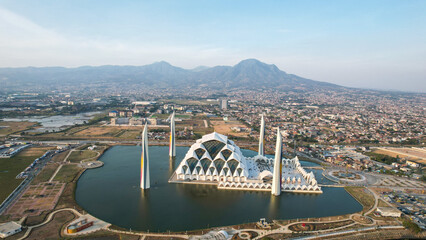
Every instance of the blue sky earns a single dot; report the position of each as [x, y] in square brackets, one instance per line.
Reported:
[370, 44]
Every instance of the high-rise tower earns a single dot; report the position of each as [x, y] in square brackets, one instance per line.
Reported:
[262, 137]
[172, 146]
[145, 160]
[278, 166]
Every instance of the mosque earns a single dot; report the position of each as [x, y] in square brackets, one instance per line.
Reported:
[214, 159]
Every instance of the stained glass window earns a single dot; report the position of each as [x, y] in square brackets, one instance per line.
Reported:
[232, 165]
[226, 153]
[213, 147]
[191, 163]
[199, 152]
[219, 165]
[205, 163]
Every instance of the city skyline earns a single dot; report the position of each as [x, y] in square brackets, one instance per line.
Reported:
[366, 45]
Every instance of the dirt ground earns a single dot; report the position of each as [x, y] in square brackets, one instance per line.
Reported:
[106, 130]
[410, 153]
[37, 198]
[223, 127]
[98, 131]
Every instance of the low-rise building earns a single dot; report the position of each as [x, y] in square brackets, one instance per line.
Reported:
[413, 164]
[113, 113]
[9, 228]
[136, 121]
[389, 212]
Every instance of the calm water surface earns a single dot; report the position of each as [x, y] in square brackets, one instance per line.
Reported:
[57, 123]
[112, 193]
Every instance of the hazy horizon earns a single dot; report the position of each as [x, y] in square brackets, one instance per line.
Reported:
[369, 44]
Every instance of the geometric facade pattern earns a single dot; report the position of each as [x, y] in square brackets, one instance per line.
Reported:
[216, 159]
[213, 158]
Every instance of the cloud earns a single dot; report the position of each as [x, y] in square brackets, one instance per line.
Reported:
[25, 43]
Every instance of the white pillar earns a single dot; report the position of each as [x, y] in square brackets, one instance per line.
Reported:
[172, 146]
[145, 184]
[262, 137]
[276, 180]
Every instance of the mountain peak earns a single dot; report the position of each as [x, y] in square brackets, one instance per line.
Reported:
[250, 61]
[162, 63]
[249, 73]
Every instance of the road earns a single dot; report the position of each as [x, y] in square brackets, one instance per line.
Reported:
[49, 218]
[351, 232]
[17, 192]
[60, 166]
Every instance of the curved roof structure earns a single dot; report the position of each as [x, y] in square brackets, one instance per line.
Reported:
[215, 158]
[214, 155]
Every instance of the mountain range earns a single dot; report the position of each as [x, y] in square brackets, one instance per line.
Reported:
[247, 74]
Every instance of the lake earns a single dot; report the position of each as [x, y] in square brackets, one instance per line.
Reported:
[112, 193]
[55, 123]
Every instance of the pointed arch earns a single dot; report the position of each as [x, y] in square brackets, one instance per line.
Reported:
[226, 153]
[213, 147]
[205, 163]
[219, 163]
[199, 152]
[192, 162]
[233, 165]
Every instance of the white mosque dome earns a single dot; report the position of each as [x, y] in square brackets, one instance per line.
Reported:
[214, 154]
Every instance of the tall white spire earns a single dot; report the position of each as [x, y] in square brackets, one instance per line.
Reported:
[145, 184]
[262, 137]
[172, 146]
[276, 180]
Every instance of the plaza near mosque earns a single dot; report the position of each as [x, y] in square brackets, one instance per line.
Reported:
[214, 159]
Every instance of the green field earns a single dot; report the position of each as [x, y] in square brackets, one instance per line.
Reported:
[9, 168]
[363, 196]
[67, 173]
[77, 156]
[45, 174]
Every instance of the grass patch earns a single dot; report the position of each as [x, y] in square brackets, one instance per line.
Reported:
[35, 151]
[45, 174]
[381, 157]
[60, 157]
[363, 196]
[67, 173]
[130, 134]
[382, 203]
[77, 156]
[15, 127]
[51, 229]
[10, 167]
[67, 198]
[319, 226]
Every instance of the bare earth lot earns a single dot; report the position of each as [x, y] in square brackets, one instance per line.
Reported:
[37, 198]
[414, 154]
[223, 127]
